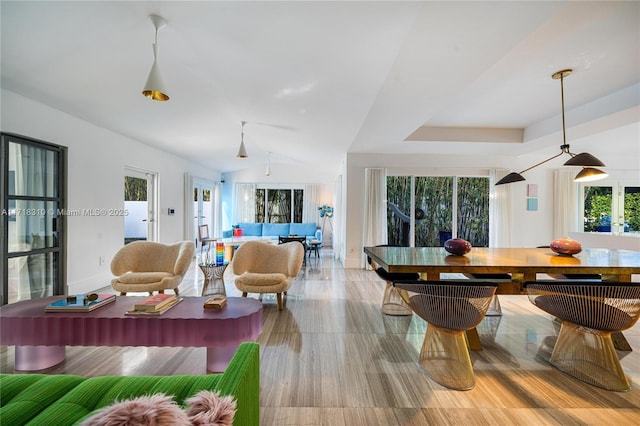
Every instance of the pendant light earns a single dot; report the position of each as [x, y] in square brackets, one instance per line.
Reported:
[268, 171]
[586, 160]
[242, 152]
[154, 87]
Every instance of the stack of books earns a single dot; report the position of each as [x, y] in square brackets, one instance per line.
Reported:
[80, 303]
[155, 305]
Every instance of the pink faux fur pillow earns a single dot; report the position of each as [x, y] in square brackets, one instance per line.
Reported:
[154, 410]
[205, 409]
[209, 409]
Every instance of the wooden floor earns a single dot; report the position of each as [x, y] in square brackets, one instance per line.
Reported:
[331, 358]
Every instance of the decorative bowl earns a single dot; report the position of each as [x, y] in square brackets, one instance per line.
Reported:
[457, 246]
[565, 246]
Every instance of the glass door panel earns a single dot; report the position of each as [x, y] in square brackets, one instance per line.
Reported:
[279, 205]
[473, 210]
[398, 210]
[32, 250]
[631, 209]
[598, 201]
[434, 203]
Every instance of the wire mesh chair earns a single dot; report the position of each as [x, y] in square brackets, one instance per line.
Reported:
[590, 313]
[392, 303]
[450, 308]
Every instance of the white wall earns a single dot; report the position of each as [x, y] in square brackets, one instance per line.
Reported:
[96, 164]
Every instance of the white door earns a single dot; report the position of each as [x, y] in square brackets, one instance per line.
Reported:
[140, 202]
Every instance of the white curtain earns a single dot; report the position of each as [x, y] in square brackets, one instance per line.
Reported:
[310, 203]
[566, 210]
[374, 230]
[33, 232]
[499, 210]
[189, 214]
[244, 203]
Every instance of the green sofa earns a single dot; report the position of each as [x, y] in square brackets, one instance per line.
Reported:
[41, 399]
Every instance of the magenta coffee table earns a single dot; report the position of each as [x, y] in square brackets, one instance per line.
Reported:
[40, 337]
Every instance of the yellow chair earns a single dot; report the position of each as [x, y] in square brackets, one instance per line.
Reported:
[148, 266]
[267, 268]
[590, 311]
[450, 308]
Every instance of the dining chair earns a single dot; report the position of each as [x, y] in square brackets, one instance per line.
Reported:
[494, 308]
[204, 238]
[450, 308]
[590, 312]
[392, 303]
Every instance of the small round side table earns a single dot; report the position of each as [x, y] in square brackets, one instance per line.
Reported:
[213, 278]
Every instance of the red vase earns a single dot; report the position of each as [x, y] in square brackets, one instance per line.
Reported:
[565, 246]
[457, 246]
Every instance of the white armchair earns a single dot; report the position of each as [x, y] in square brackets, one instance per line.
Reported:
[148, 266]
[267, 268]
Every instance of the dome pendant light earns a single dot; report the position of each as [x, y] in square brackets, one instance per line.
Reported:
[242, 152]
[154, 87]
[586, 160]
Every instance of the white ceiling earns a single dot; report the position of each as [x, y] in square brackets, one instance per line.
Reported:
[315, 80]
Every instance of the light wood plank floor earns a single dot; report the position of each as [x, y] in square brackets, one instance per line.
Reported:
[331, 358]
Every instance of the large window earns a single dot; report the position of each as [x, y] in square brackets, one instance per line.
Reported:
[279, 205]
[613, 207]
[444, 207]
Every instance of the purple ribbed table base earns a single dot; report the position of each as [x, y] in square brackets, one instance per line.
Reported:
[40, 337]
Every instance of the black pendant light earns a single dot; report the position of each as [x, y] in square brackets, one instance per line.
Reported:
[585, 160]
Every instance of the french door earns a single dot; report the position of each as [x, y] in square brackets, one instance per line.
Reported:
[33, 182]
[425, 211]
[141, 205]
[203, 207]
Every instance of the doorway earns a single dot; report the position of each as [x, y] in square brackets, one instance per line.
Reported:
[140, 205]
[203, 207]
[33, 221]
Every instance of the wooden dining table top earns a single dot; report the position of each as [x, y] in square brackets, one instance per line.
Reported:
[522, 263]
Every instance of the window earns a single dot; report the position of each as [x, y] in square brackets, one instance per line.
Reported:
[613, 207]
[279, 205]
[445, 207]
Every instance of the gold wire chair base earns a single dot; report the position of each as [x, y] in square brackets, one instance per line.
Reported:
[393, 303]
[495, 310]
[589, 355]
[445, 358]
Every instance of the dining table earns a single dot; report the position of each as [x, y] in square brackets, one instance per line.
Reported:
[523, 264]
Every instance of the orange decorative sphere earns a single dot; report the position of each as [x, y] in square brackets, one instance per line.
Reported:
[565, 246]
[457, 246]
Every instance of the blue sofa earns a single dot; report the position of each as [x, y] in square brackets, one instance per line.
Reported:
[274, 230]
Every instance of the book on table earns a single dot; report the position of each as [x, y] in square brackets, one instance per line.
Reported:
[80, 303]
[155, 302]
[155, 305]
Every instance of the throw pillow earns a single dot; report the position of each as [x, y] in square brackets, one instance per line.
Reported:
[207, 408]
[154, 410]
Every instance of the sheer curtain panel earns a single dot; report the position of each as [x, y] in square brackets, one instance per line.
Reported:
[245, 203]
[499, 210]
[374, 229]
[566, 209]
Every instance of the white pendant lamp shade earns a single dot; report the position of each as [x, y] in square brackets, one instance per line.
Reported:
[268, 171]
[242, 152]
[154, 87]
